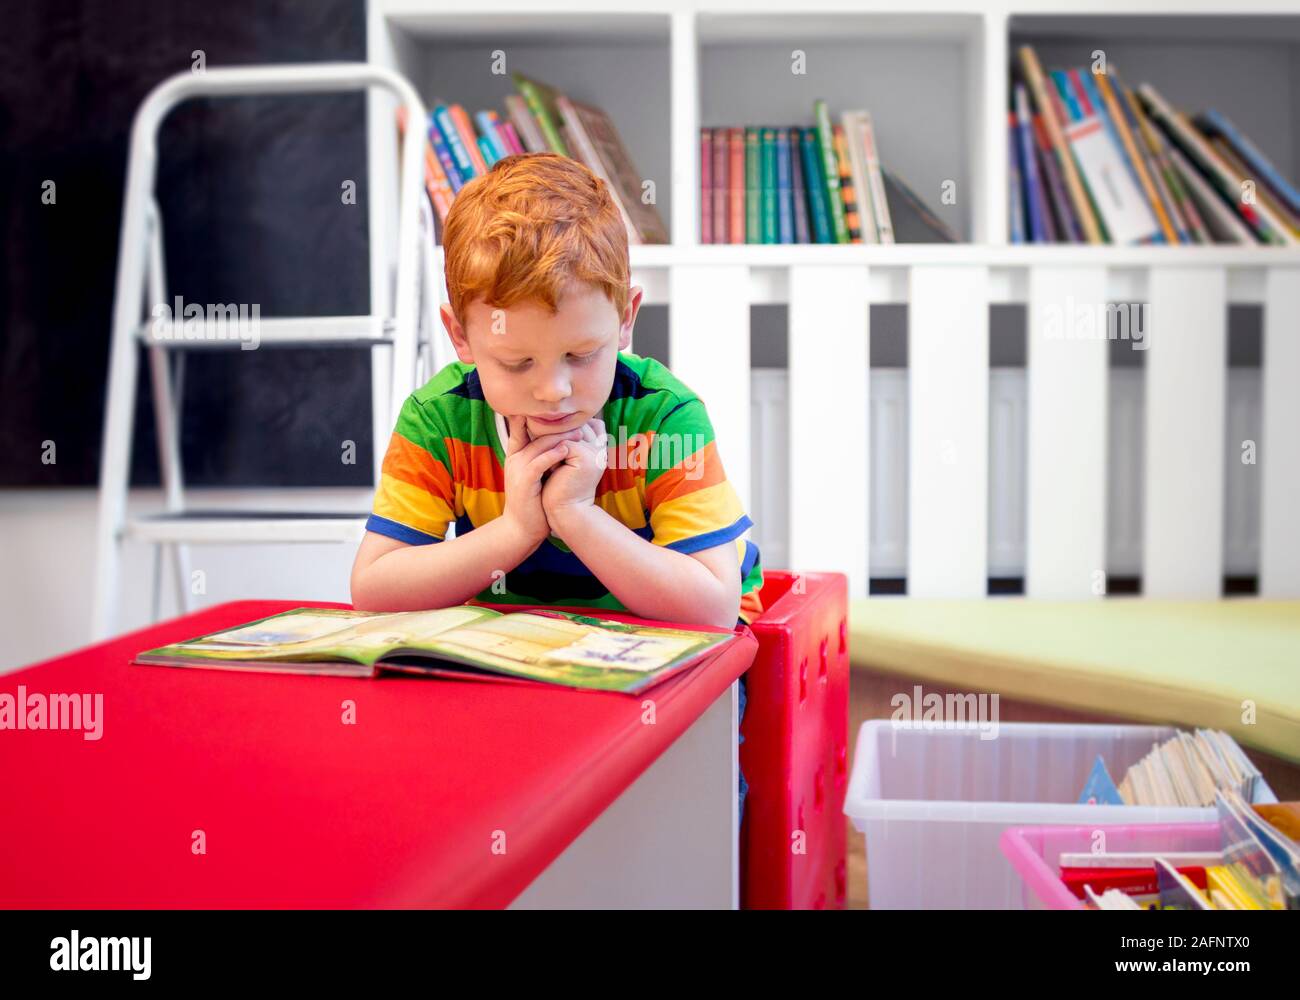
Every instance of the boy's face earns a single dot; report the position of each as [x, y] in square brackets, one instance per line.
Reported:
[535, 365]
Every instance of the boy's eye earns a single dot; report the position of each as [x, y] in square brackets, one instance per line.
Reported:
[581, 358]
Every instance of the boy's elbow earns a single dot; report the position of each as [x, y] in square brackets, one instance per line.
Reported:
[730, 613]
[360, 595]
[365, 595]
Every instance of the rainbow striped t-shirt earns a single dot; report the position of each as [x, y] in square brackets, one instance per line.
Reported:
[445, 463]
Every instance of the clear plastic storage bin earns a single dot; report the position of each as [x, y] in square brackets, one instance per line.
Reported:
[933, 802]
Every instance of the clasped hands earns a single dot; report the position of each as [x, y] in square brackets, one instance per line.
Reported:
[551, 480]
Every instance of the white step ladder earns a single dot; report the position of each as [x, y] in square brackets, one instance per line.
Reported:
[400, 334]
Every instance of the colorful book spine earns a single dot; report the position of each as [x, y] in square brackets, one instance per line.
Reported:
[853, 134]
[736, 182]
[1263, 222]
[537, 108]
[848, 193]
[1222, 224]
[1152, 162]
[487, 122]
[706, 186]
[466, 129]
[1061, 81]
[1015, 187]
[1119, 122]
[1043, 100]
[1262, 191]
[1049, 223]
[1068, 229]
[1035, 207]
[435, 181]
[1183, 203]
[1085, 84]
[784, 197]
[875, 179]
[818, 213]
[488, 152]
[1212, 123]
[721, 154]
[508, 135]
[1122, 211]
[529, 132]
[830, 172]
[445, 159]
[455, 144]
[753, 186]
[768, 182]
[798, 188]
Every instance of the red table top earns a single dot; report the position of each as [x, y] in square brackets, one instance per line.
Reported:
[298, 809]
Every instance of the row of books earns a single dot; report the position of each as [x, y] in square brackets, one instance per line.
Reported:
[537, 119]
[818, 184]
[1093, 161]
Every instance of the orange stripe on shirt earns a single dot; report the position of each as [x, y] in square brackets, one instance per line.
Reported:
[409, 463]
[475, 466]
[680, 481]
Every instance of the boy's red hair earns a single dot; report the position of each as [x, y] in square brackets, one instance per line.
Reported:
[529, 226]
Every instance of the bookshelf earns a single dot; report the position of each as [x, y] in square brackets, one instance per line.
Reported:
[935, 75]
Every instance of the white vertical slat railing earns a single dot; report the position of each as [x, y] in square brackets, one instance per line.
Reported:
[1008, 481]
[887, 513]
[1186, 385]
[1279, 450]
[1067, 371]
[1129, 470]
[948, 372]
[708, 344]
[829, 403]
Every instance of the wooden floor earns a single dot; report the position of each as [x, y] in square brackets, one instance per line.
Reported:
[869, 698]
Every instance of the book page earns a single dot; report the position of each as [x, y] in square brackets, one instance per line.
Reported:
[307, 633]
[568, 649]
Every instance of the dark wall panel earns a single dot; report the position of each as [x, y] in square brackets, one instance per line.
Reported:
[250, 190]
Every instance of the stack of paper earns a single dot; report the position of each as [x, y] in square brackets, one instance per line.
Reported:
[1186, 770]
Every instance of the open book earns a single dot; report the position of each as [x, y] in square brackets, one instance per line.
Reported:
[555, 647]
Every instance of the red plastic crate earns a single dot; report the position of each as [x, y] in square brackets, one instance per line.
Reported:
[795, 753]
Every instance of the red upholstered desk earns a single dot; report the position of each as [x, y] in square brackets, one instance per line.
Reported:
[444, 793]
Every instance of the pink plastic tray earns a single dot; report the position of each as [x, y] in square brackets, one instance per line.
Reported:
[1034, 852]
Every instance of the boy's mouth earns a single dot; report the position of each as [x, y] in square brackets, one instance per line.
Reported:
[554, 421]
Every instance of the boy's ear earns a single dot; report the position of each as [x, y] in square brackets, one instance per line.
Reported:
[457, 334]
[629, 316]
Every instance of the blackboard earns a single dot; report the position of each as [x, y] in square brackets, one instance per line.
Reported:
[251, 193]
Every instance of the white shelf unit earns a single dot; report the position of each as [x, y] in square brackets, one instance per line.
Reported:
[665, 69]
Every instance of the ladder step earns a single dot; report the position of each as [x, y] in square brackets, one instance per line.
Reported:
[247, 526]
[224, 330]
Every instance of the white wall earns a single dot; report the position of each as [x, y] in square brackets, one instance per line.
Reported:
[46, 578]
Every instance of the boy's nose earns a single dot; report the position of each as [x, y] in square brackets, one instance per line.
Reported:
[553, 390]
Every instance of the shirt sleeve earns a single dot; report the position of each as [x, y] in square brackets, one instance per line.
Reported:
[415, 499]
[691, 503]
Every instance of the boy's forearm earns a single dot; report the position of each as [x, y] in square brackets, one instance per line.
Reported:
[418, 577]
[650, 580]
